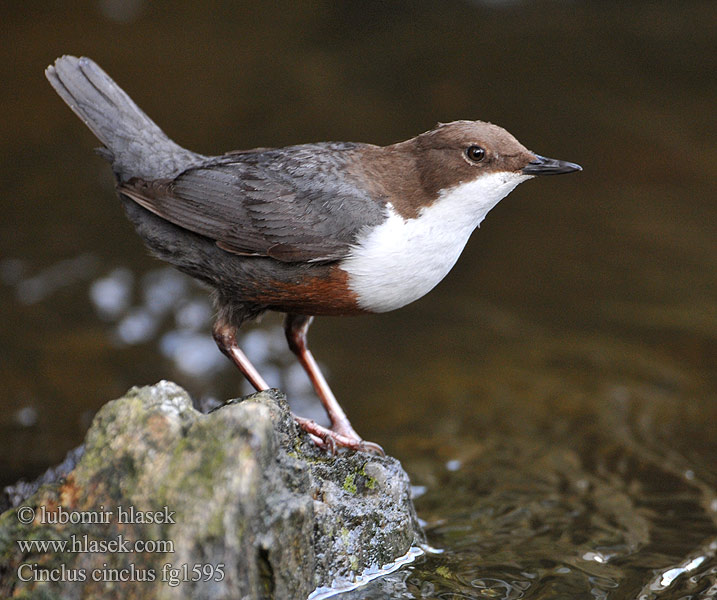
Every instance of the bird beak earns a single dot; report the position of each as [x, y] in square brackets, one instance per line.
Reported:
[549, 166]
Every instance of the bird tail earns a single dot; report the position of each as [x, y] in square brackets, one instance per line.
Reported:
[133, 143]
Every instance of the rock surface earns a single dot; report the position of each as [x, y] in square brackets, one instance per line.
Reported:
[173, 503]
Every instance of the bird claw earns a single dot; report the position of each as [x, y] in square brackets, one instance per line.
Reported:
[333, 440]
[371, 448]
[325, 443]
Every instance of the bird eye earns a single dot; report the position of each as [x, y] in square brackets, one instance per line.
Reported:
[475, 153]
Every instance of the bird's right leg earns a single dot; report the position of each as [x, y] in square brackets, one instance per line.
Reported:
[341, 434]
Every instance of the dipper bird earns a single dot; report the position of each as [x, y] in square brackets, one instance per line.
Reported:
[334, 228]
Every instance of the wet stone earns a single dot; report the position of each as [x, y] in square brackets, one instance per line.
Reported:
[168, 502]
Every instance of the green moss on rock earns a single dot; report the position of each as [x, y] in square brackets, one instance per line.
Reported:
[246, 489]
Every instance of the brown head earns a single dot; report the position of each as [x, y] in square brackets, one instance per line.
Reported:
[449, 155]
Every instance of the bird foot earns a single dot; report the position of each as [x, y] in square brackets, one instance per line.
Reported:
[334, 440]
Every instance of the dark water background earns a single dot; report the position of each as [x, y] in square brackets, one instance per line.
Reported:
[553, 399]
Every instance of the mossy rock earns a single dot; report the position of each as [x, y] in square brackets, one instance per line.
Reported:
[241, 503]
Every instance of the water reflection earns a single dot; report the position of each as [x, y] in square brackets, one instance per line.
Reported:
[605, 509]
[168, 311]
[26, 416]
[112, 294]
[121, 11]
[177, 313]
[40, 286]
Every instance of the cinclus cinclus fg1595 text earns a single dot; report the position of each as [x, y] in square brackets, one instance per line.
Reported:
[333, 228]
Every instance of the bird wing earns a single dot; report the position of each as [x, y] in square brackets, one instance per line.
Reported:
[294, 204]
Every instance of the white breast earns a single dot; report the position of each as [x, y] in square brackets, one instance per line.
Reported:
[401, 260]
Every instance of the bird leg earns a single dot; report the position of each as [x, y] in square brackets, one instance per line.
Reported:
[225, 337]
[341, 432]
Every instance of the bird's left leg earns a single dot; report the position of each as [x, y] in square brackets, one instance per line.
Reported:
[225, 337]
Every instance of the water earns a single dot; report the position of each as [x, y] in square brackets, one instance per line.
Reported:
[553, 399]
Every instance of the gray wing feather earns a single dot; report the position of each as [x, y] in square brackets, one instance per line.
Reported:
[294, 204]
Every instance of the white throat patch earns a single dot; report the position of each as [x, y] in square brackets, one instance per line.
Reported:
[401, 260]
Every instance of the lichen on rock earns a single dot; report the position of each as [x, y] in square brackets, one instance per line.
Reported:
[237, 503]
